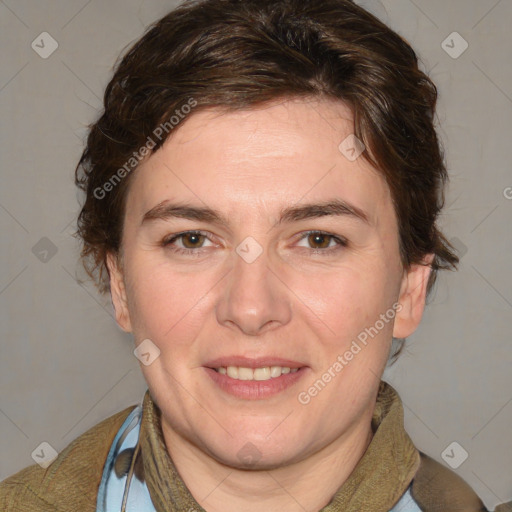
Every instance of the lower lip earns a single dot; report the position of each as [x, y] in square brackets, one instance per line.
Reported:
[255, 389]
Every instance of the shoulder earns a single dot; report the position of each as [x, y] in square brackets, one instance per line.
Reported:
[71, 482]
[436, 488]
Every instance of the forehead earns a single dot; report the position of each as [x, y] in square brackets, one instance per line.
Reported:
[260, 159]
[280, 130]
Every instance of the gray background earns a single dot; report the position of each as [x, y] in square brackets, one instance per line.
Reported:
[65, 365]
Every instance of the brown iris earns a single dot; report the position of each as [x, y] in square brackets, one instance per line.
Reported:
[194, 237]
[318, 238]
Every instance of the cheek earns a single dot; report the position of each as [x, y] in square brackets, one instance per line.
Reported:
[153, 298]
[363, 323]
[165, 304]
[346, 301]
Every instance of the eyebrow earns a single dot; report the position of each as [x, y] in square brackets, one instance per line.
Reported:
[335, 207]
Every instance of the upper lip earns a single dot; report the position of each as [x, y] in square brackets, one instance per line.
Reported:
[247, 362]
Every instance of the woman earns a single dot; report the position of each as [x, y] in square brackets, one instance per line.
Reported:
[261, 196]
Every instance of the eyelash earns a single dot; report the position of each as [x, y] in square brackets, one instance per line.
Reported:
[340, 241]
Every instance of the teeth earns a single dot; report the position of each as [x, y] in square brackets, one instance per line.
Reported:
[276, 371]
[262, 373]
[265, 373]
[232, 372]
[245, 374]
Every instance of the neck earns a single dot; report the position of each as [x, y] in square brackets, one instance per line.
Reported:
[305, 485]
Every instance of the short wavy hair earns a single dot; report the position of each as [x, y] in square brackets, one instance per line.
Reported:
[241, 54]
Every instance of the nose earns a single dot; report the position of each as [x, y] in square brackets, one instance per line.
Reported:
[254, 299]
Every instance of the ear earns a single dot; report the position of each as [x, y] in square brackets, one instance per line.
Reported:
[413, 291]
[118, 292]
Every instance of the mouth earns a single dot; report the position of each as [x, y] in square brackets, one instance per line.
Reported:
[254, 379]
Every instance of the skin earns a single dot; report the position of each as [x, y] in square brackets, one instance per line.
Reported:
[290, 302]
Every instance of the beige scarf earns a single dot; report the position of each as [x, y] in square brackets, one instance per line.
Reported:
[377, 482]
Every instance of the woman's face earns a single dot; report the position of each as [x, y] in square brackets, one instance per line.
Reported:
[266, 281]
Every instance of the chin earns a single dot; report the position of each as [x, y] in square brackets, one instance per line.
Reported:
[255, 457]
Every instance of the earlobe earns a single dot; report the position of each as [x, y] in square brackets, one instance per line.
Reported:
[118, 292]
[412, 298]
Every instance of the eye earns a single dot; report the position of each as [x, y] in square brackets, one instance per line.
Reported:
[190, 241]
[324, 239]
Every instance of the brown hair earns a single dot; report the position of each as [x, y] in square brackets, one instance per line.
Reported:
[238, 54]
